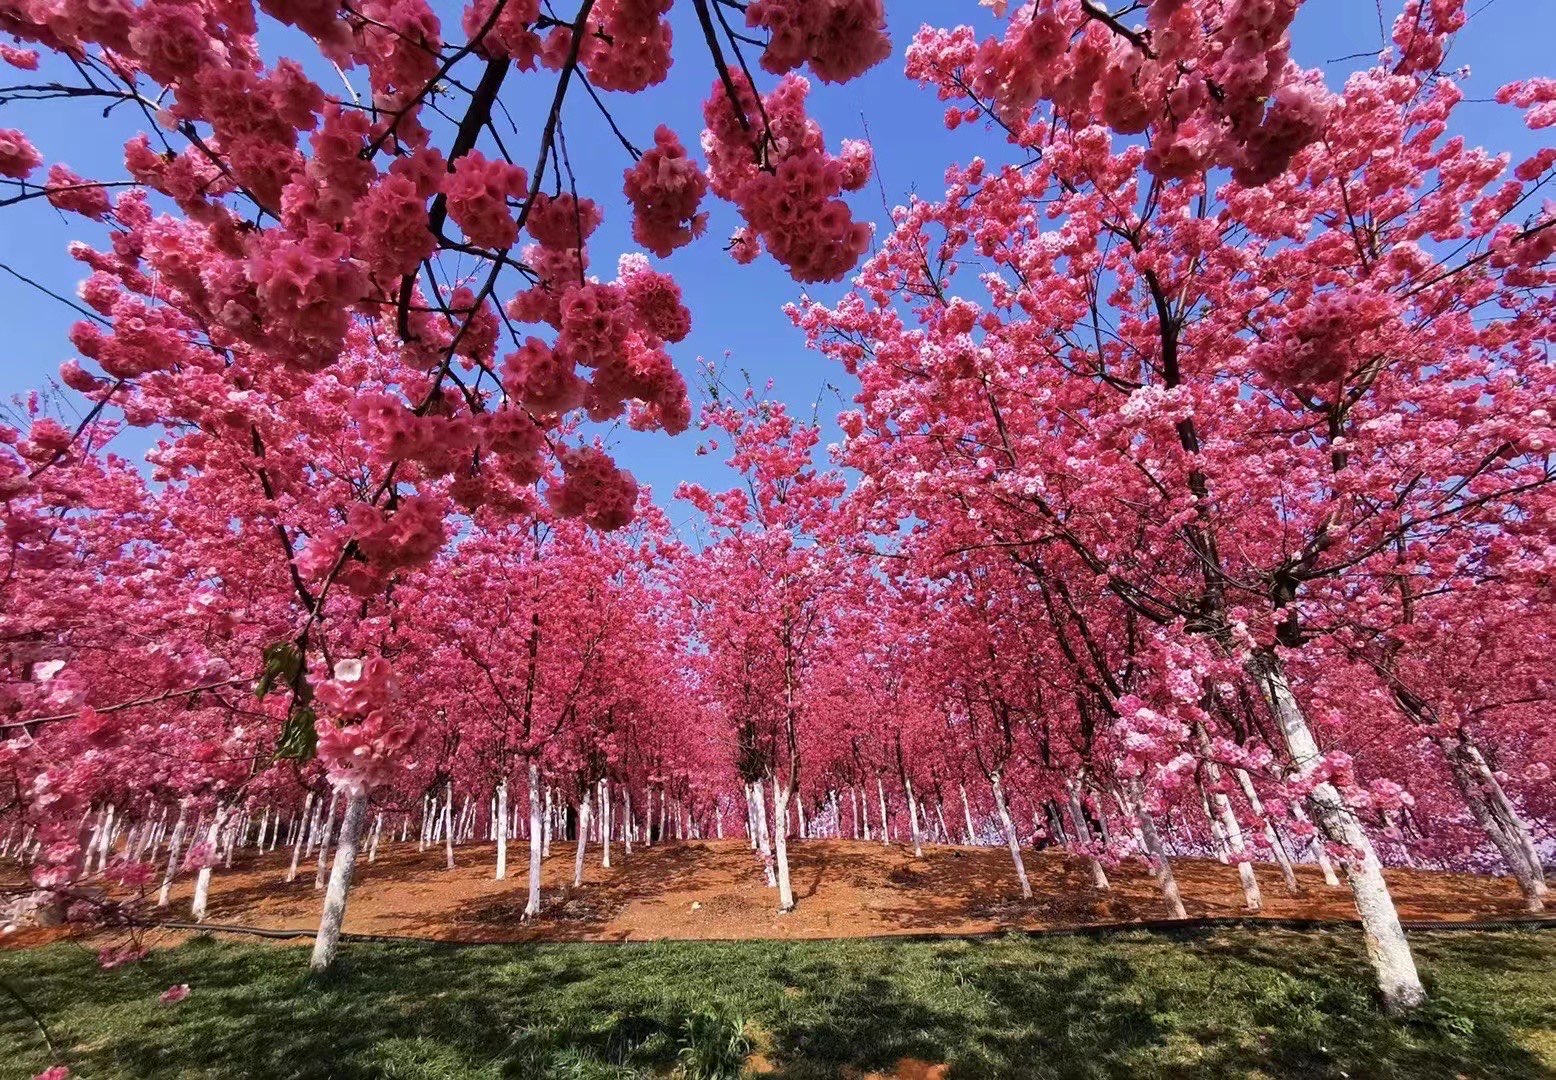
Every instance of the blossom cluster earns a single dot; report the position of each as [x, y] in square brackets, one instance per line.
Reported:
[1212, 80]
[839, 39]
[768, 158]
[665, 188]
[365, 746]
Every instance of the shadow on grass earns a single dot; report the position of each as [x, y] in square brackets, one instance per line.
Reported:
[1226, 1003]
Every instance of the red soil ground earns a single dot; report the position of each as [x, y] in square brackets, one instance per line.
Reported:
[845, 888]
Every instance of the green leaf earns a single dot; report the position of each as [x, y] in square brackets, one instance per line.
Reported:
[283, 663]
[299, 735]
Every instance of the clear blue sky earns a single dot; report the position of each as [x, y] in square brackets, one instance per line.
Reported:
[736, 309]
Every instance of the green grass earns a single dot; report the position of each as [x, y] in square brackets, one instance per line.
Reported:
[1226, 1003]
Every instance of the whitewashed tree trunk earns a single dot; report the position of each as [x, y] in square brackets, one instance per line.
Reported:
[1315, 847]
[297, 843]
[605, 823]
[1011, 838]
[264, 826]
[627, 824]
[328, 938]
[880, 789]
[918, 844]
[328, 830]
[753, 832]
[1217, 828]
[1387, 948]
[173, 852]
[1102, 819]
[448, 827]
[538, 832]
[1494, 812]
[501, 827]
[1161, 866]
[147, 848]
[1099, 876]
[763, 840]
[1231, 830]
[1271, 834]
[202, 892]
[546, 830]
[234, 834]
[102, 838]
[378, 827]
[967, 814]
[313, 827]
[1253, 898]
[781, 797]
[583, 838]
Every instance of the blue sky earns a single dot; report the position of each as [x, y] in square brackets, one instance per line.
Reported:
[736, 309]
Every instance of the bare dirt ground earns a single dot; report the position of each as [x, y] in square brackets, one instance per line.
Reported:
[713, 889]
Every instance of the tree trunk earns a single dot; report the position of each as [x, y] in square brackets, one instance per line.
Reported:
[1316, 846]
[583, 838]
[1495, 813]
[880, 789]
[324, 841]
[502, 829]
[313, 827]
[753, 834]
[1387, 948]
[918, 845]
[545, 838]
[172, 858]
[234, 834]
[537, 830]
[1011, 838]
[1231, 830]
[1271, 834]
[297, 843]
[763, 836]
[202, 893]
[605, 823]
[448, 826]
[781, 796]
[1160, 865]
[328, 938]
[378, 827]
[967, 813]
[1099, 876]
[626, 819]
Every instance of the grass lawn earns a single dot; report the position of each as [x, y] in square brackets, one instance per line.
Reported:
[1223, 1003]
